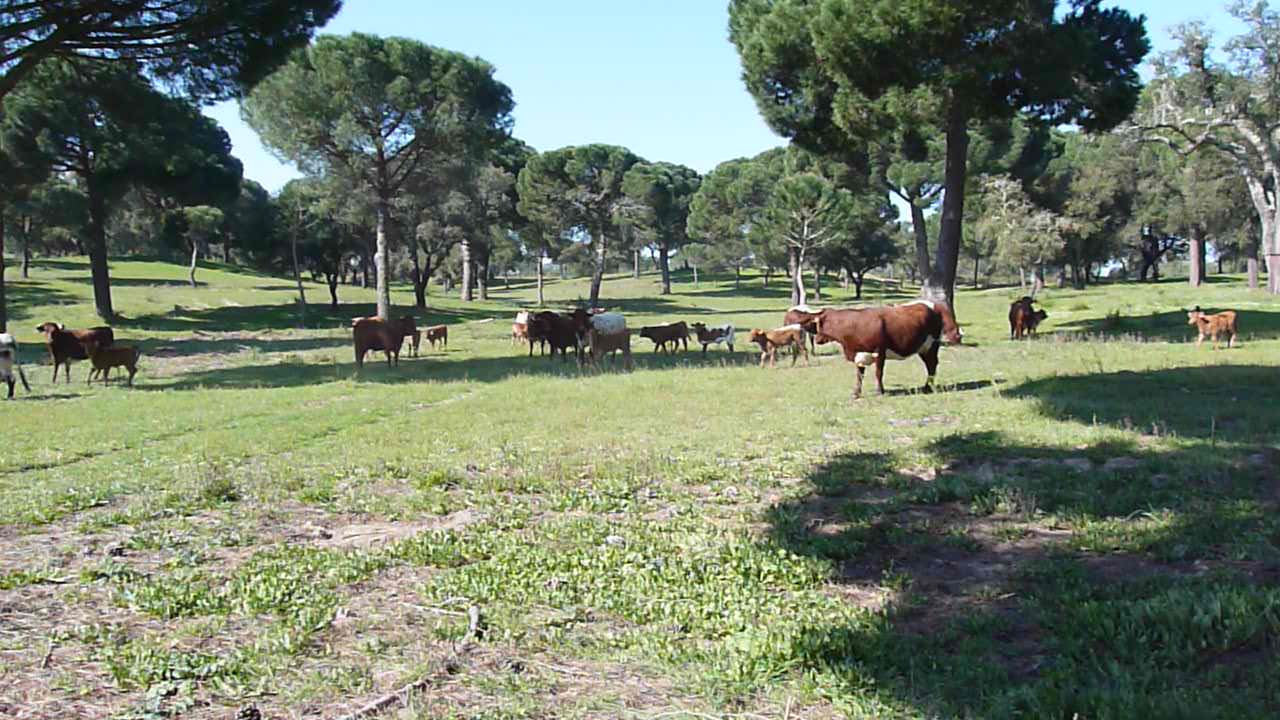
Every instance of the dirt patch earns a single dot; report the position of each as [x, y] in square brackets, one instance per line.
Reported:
[368, 535]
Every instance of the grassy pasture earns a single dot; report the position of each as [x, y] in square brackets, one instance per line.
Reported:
[1085, 523]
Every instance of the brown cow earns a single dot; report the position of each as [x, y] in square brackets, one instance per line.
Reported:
[373, 333]
[409, 331]
[1223, 323]
[804, 316]
[67, 345]
[873, 335]
[556, 330]
[674, 333]
[438, 333]
[1023, 318]
[787, 335]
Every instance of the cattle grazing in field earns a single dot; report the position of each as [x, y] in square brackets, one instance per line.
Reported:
[438, 333]
[804, 316]
[556, 330]
[674, 333]
[769, 341]
[106, 358]
[67, 345]
[605, 333]
[1213, 326]
[714, 336]
[409, 331]
[873, 335]
[1024, 318]
[374, 333]
[9, 363]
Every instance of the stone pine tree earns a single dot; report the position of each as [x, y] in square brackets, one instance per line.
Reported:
[105, 125]
[211, 49]
[377, 109]
[663, 191]
[721, 214]
[577, 188]
[829, 74]
[18, 175]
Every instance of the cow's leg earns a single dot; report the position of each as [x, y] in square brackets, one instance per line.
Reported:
[857, 385]
[66, 368]
[730, 347]
[930, 358]
[880, 360]
[704, 349]
[11, 383]
[55, 371]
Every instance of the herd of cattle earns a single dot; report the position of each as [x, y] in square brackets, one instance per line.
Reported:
[868, 337]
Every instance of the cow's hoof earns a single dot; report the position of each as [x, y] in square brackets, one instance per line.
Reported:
[927, 389]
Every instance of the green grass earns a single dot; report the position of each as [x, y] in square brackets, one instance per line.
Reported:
[1082, 524]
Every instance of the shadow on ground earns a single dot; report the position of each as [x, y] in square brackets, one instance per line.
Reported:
[1172, 325]
[1022, 580]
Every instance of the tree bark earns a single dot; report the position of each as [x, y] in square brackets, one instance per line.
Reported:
[98, 252]
[482, 276]
[26, 248]
[737, 277]
[1196, 275]
[597, 275]
[635, 259]
[798, 291]
[940, 283]
[664, 262]
[1251, 262]
[857, 285]
[695, 275]
[817, 282]
[332, 279]
[195, 255]
[4, 306]
[922, 239]
[466, 292]
[541, 300]
[297, 276]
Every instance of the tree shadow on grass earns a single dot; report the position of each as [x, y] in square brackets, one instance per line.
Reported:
[988, 607]
[241, 318]
[1172, 325]
[22, 297]
[1213, 402]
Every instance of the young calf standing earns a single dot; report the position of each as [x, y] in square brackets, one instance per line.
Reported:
[9, 363]
[1223, 323]
[787, 335]
[67, 345]
[105, 358]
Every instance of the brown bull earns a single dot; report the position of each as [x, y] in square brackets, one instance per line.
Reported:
[896, 332]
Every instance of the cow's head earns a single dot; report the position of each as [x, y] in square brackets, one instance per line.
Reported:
[48, 328]
[1038, 317]
[951, 332]
[1195, 316]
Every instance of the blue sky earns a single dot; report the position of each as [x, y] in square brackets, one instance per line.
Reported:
[659, 77]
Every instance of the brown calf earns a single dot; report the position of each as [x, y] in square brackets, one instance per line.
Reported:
[787, 335]
[67, 345]
[804, 316]
[372, 333]
[1223, 323]
[409, 331]
[674, 333]
[714, 336]
[1023, 318]
[438, 333]
[105, 358]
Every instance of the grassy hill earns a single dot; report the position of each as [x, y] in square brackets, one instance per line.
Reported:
[1084, 523]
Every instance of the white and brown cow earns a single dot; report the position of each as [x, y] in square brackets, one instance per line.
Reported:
[714, 335]
[9, 366]
[870, 336]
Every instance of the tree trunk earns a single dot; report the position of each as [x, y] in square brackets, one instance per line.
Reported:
[597, 275]
[364, 270]
[695, 275]
[26, 248]
[857, 285]
[1196, 275]
[466, 293]
[976, 261]
[922, 239]
[940, 283]
[419, 287]
[1273, 258]
[664, 262]
[1022, 278]
[1251, 262]
[195, 255]
[1037, 281]
[332, 279]
[768, 271]
[737, 277]
[844, 279]
[226, 250]
[817, 282]
[98, 253]
[798, 291]
[297, 278]
[483, 277]
[635, 259]
[4, 307]
[541, 300]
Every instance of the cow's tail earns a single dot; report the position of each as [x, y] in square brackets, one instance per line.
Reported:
[23, 377]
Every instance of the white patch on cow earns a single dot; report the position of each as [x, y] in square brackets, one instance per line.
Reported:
[927, 303]
[929, 342]
[8, 355]
[609, 323]
[792, 326]
[801, 308]
[522, 317]
[865, 359]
